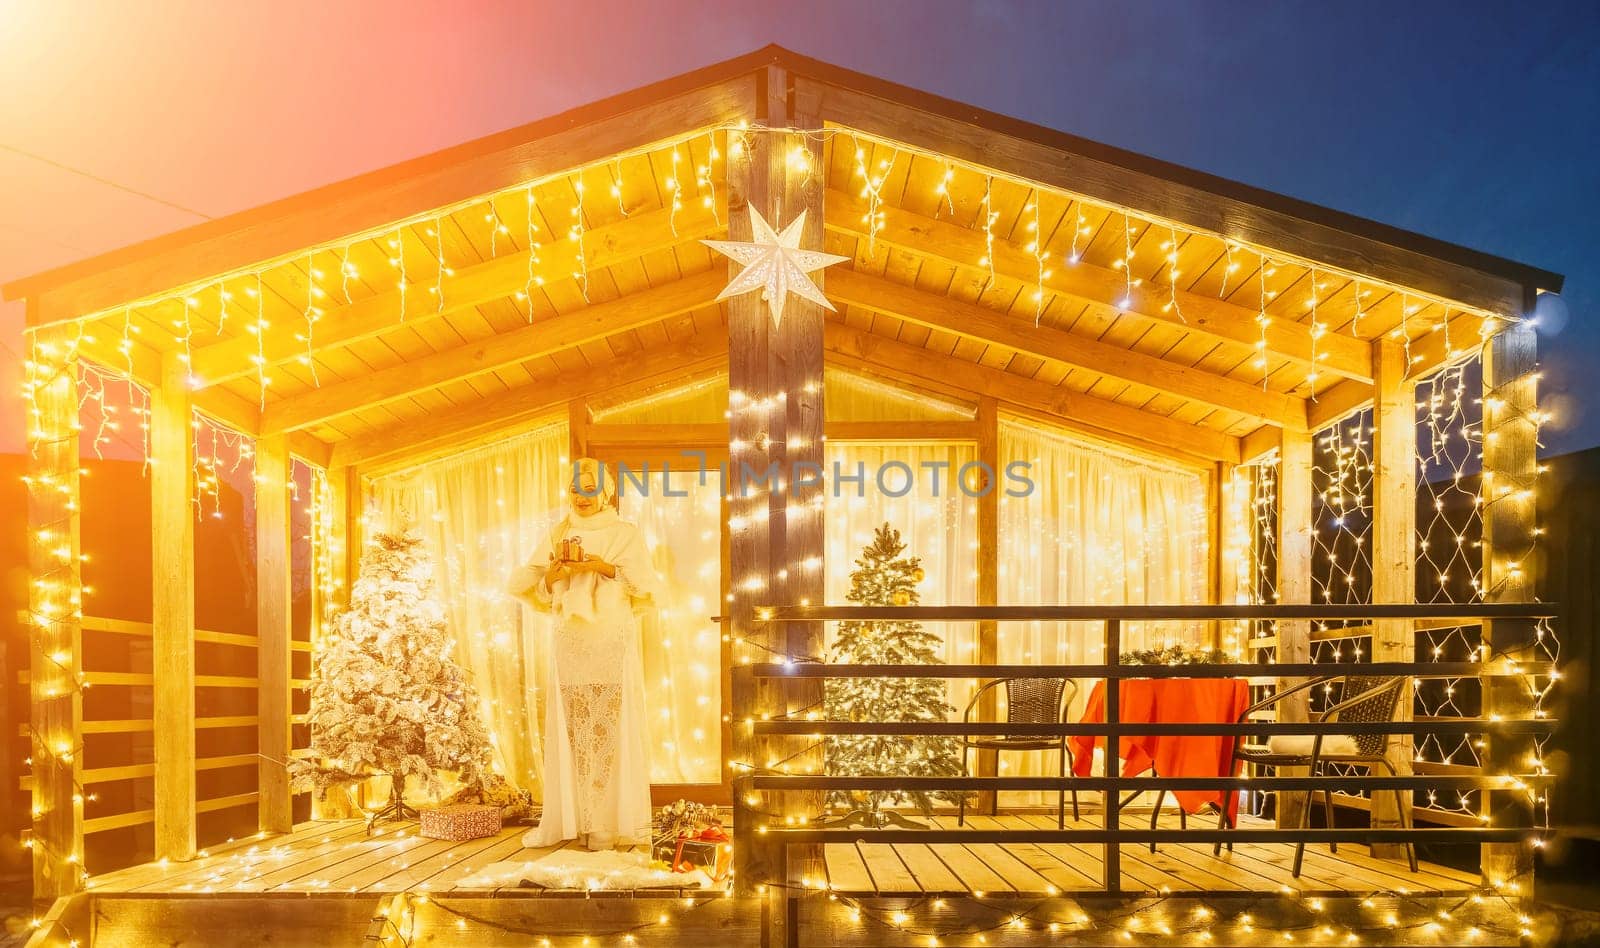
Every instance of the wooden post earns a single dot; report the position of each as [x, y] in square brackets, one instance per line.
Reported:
[337, 596]
[275, 805]
[578, 428]
[355, 531]
[750, 420]
[1294, 588]
[1510, 469]
[1111, 817]
[775, 435]
[55, 612]
[1394, 525]
[988, 590]
[797, 550]
[1215, 537]
[172, 610]
[329, 602]
[1227, 553]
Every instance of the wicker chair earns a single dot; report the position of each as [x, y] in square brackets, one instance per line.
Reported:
[1364, 699]
[1028, 701]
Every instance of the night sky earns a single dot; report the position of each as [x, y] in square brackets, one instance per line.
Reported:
[1471, 122]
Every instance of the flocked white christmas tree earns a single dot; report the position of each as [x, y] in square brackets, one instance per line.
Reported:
[884, 577]
[387, 698]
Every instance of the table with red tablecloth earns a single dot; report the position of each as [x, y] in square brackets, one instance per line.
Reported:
[1171, 701]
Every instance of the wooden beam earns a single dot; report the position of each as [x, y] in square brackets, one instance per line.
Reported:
[920, 431]
[1099, 417]
[468, 287]
[1467, 334]
[1205, 317]
[142, 364]
[988, 578]
[1510, 574]
[980, 323]
[310, 448]
[688, 435]
[590, 324]
[274, 609]
[1337, 403]
[697, 436]
[1259, 442]
[1394, 516]
[406, 442]
[1294, 588]
[172, 611]
[55, 633]
[509, 159]
[1204, 202]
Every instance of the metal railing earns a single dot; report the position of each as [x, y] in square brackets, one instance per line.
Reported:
[1517, 826]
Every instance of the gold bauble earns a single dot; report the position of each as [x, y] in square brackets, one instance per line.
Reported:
[902, 597]
[917, 575]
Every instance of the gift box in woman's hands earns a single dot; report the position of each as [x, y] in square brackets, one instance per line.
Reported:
[570, 550]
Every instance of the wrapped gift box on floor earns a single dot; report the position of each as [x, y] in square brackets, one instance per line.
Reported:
[709, 849]
[461, 821]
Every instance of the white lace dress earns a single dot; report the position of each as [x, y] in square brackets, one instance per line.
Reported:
[596, 768]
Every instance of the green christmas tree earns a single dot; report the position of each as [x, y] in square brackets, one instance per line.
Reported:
[883, 577]
[387, 698]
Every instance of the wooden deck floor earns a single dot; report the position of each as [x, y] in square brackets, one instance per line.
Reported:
[338, 857]
[1051, 868]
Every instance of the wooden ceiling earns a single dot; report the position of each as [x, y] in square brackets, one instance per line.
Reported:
[960, 279]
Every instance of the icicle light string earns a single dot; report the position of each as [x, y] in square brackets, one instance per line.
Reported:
[530, 233]
[312, 314]
[1036, 247]
[580, 275]
[391, 231]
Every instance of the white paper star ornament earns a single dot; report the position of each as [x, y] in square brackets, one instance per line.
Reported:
[774, 264]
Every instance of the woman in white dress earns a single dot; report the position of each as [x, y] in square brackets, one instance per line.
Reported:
[596, 773]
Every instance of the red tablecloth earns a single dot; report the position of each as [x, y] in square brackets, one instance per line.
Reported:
[1171, 701]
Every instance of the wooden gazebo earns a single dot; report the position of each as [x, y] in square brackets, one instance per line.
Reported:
[449, 301]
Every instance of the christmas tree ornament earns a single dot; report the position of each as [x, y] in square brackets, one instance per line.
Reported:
[387, 697]
[775, 264]
[884, 576]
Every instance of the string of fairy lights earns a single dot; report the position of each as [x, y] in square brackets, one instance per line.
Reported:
[419, 258]
[423, 266]
[415, 917]
[1449, 557]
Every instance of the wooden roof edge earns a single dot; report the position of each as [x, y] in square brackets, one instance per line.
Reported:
[1529, 277]
[609, 107]
[1515, 271]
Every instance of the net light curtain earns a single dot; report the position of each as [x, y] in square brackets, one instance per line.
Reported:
[483, 511]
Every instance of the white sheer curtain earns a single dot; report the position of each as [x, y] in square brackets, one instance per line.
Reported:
[479, 513]
[1098, 528]
[682, 648]
[940, 527]
[486, 510]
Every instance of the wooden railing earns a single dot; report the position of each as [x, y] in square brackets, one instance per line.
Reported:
[752, 829]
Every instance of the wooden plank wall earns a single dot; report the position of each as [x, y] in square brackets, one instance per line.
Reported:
[1569, 565]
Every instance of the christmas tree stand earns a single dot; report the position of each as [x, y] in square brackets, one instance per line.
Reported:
[396, 810]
